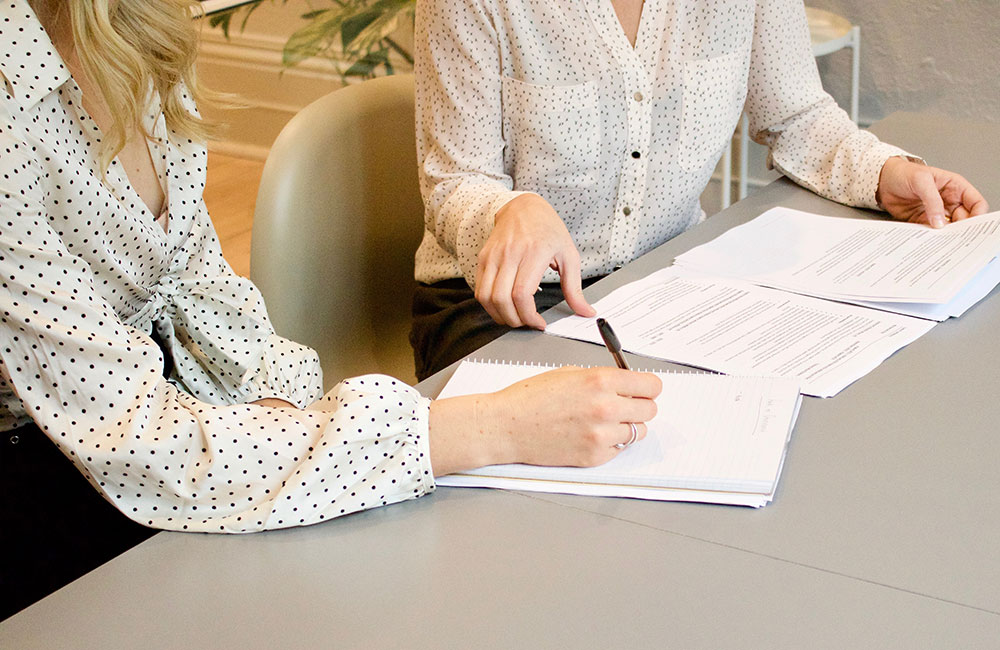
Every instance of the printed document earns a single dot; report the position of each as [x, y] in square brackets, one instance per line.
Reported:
[852, 259]
[736, 327]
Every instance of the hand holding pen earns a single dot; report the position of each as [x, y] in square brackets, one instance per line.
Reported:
[615, 348]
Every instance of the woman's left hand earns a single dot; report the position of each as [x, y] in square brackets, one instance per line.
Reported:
[914, 192]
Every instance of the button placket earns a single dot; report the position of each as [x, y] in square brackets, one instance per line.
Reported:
[635, 68]
[632, 183]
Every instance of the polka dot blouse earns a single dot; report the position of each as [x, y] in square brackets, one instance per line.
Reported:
[548, 96]
[86, 274]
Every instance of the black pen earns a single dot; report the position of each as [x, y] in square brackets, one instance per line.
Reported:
[612, 343]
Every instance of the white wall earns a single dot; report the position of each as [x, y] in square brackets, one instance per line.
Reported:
[921, 55]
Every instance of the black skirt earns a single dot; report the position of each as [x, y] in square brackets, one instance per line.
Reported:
[54, 526]
[449, 323]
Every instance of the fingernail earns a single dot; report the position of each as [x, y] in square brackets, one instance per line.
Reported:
[938, 221]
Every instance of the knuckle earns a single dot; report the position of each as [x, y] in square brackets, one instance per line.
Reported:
[522, 292]
[602, 410]
[591, 438]
[599, 380]
[593, 450]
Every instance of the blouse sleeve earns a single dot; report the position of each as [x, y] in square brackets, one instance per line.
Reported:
[811, 139]
[459, 118]
[93, 384]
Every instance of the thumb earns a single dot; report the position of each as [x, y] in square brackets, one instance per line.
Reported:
[572, 288]
[926, 190]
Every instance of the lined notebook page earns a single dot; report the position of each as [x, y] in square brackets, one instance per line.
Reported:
[712, 433]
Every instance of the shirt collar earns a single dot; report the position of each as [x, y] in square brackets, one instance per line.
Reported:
[29, 61]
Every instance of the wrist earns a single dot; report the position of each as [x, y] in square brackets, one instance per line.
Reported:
[489, 417]
[525, 201]
[888, 168]
[465, 433]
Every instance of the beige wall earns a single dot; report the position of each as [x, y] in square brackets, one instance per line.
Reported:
[248, 64]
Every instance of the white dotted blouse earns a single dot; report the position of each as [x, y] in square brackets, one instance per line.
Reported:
[86, 274]
[549, 96]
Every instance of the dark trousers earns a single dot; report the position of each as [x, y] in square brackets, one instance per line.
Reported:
[449, 324]
[54, 526]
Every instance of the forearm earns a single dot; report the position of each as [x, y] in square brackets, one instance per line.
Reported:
[822, 150]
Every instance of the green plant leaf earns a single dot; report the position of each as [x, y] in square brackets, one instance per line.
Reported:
[354, 25]
[313, 39]
[361, 29]
[366, 66]
[225, 17]
[370, 37]
[223, 20]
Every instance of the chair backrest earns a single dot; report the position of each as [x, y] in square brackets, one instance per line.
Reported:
[338, 219]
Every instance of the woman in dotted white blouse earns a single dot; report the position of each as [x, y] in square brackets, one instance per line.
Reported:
[558, 140]
[127, 341]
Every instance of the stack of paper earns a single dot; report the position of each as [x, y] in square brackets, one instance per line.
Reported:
[735, 327]
[759, 299]
[715, 439]
[902, 267]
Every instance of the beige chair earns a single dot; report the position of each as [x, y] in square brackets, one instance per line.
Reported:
[338, 219]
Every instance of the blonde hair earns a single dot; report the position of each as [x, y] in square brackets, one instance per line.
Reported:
[126, 48]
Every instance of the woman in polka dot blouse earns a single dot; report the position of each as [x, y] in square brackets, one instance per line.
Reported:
[127, 341]
[560, 139]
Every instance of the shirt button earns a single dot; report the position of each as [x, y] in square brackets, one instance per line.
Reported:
[635, 154]
[15, 439]
[637, 97]
[626, 211]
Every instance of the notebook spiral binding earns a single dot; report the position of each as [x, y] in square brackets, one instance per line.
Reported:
[553, 366]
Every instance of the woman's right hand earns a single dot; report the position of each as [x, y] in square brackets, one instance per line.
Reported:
[528, 237]
[565, 417]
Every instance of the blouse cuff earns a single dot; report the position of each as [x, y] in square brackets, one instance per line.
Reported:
[288, 371]
[421, 433]
[406, 415]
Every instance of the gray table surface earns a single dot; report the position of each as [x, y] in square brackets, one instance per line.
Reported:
[883, 533]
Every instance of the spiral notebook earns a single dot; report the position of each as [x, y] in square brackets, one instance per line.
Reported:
[716, 439]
